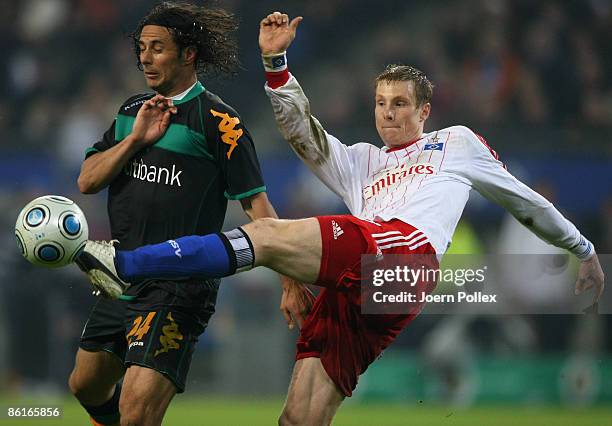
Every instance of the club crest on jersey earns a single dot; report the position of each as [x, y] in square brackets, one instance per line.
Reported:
[434, 146]
[229, 133]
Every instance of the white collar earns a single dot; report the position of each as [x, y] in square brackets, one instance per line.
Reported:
[183, 94]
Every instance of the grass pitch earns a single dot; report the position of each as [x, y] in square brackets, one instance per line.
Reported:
[192, 411]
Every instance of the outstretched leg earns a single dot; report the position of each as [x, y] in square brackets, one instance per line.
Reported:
[291, 247]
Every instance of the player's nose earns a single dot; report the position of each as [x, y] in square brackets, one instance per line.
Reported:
[145, 58]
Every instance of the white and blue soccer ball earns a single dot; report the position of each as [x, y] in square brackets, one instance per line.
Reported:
[51, 230]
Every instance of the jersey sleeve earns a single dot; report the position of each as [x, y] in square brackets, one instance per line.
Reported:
[107, 141]
[235, 151]
[329, 159]
[490, 177]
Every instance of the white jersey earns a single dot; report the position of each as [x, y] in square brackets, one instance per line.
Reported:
[425, 184]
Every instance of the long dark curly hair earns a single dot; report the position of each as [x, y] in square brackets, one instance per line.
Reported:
[210, 30]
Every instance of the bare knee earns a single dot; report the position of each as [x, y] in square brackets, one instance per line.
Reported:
[313, 397]
[93, 378]
[306, 413]
[282, 245]
[265, 235]
[145, 397]
[264, 228]
[76, 384]
[291, 416]
[134, 411]
[87, 389]
[139, 408]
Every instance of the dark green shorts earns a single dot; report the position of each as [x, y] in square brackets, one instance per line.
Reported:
[158, 329]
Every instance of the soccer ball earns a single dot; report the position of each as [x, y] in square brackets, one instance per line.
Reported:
[50, 231]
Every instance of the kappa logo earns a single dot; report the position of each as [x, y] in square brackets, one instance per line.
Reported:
[170, 336]
[136, 103]
[336, 230]
[227, 127]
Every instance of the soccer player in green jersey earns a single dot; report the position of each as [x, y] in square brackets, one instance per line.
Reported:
[171, 160]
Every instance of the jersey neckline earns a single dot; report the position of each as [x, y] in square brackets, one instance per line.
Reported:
[196, 90]
[404, 145]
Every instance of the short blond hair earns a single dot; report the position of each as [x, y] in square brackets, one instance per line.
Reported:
[423, 88]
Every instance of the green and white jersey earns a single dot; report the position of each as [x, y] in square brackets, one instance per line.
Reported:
[180, 185]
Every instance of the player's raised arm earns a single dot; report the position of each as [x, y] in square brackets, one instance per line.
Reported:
[328, 158]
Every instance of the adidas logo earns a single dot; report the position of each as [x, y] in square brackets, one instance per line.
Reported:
[379, 253]
[336, 230]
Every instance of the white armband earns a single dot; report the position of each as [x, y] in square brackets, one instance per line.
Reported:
[275, 62]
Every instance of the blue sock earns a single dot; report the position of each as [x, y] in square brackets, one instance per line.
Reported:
[208, 256]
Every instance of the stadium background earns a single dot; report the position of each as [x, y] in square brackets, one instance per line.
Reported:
[533, 77]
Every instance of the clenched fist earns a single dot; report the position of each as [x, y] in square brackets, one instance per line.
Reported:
[276, 33]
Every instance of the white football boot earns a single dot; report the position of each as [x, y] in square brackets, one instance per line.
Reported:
[97, 260]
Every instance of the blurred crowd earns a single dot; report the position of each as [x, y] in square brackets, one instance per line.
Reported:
[534, 77]
[67, 64]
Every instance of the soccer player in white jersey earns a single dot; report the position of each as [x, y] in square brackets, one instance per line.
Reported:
[405, 198]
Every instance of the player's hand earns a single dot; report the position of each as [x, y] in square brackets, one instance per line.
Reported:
[296, 302]
[153, 120]
[276, 32]
[590, 276]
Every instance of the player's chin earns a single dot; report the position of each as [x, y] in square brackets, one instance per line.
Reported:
[390, 138]
[385, 135]
[153, 83]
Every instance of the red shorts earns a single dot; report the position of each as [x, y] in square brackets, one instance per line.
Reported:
[336, 331]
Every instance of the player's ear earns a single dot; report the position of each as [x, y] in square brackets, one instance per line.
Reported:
[425, 110]
[190, 54]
